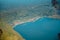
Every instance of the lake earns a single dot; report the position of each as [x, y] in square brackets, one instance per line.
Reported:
[42, 29]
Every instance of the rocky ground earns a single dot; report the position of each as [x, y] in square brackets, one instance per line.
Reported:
[8, 33]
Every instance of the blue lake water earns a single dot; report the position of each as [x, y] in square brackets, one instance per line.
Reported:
[42, 29]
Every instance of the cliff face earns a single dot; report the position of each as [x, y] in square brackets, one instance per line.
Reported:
[8, 32]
